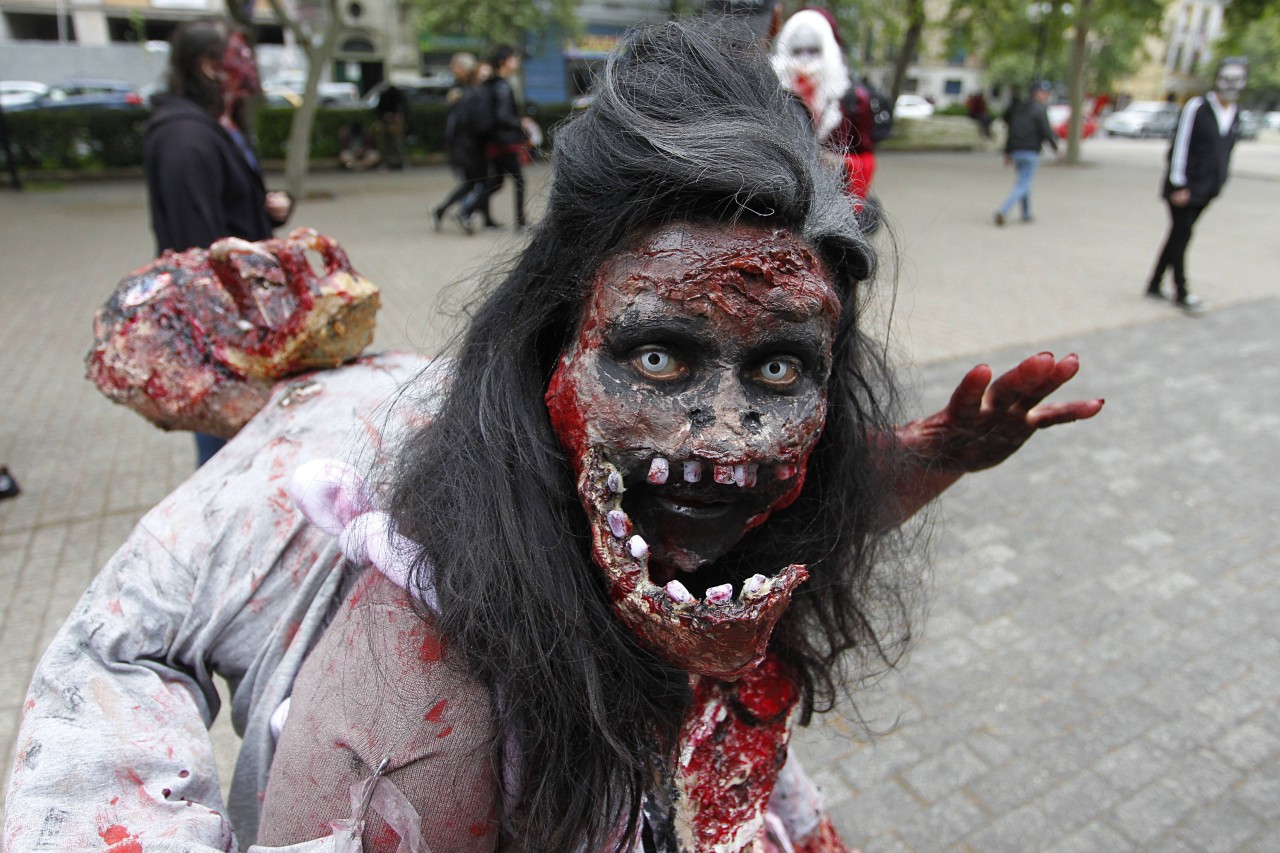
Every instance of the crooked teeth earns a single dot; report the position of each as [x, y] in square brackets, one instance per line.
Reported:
[723, 474]
[692, 471]
[722, 594]
[678, 593]
[753, 586]
[638, 547]
[658, 470]
[617, 523]
[614, 482]
[785, 472]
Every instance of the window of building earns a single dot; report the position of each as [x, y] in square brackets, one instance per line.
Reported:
[953, 87]
[25, 26]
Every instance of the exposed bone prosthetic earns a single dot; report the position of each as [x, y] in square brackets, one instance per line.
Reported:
[195, 340]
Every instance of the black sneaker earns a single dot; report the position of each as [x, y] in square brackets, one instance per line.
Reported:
[1190, 303]
[464, 222]
[1154, 293]
[436, 219]
[8, 485]
[999, 217]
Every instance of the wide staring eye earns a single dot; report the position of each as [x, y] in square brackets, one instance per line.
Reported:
[778, 373]
[657, 363]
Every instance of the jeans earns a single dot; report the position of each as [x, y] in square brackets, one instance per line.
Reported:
[1026, 163]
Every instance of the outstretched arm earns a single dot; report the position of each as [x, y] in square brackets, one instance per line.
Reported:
[982, 425]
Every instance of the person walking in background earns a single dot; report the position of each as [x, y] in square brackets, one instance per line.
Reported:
[204, 181]
[507, 142]
[809, 58]
[1198, 159]
[390, 111]
[1028, 130]
[976, 106]
[462, 135]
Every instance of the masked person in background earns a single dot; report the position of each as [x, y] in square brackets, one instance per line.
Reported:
[638, 530]
[1198, 162]
[204, 180]
[809, 58]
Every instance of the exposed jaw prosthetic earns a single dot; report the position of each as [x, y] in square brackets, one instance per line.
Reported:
[689, 406]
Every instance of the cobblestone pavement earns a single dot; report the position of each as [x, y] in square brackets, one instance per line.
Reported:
[1097, 670]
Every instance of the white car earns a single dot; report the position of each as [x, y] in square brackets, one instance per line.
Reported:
[15, 93]
[912, 106]
[1143, 119]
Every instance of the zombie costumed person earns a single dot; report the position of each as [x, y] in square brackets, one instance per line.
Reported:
[204, 181]
[809, 58]
[1198, 161]
[587, 602]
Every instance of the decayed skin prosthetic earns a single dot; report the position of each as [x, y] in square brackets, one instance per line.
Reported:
[651, 513]
[689, 406]
[195, 340]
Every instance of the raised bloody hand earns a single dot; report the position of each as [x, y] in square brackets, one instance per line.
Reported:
[985, 421]
[982, 425]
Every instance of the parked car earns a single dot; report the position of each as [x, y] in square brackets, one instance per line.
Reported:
[1251, 121]
[1060, 121]
[421, 90]
[912, 106]
[285, 90]
[1143, 120]
[70, 94]
[15, 93]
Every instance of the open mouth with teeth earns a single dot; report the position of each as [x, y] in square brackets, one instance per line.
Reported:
[656, 531]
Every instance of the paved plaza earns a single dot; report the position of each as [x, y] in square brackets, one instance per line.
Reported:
[1099, 666]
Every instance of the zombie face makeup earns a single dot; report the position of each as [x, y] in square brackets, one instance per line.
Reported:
[238, 69]
[1230, 82]
[689, 404]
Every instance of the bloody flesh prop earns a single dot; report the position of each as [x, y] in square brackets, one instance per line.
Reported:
[196, 339]
[688, 406]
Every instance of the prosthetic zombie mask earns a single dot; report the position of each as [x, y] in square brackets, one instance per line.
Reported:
[238, 71]
[689, 404]
[1230, 81]
[809, 62]
[196, 339]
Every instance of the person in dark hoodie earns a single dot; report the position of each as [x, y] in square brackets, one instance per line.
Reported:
[204, 181]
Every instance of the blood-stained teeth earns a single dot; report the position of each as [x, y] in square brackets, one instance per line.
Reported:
[692, 471]
[638, 547]
[614, 482]
[785, 472]
[744, 475]
[753, 586]
[722, 594]
[724, 474]
[658, 470]
[677, 592]
[617, 523]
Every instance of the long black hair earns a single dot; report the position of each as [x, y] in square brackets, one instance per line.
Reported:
[688, 123]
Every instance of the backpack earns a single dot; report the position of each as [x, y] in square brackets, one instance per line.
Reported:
[881, 113]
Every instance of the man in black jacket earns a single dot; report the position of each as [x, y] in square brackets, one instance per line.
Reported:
[1029, 128]
[1208, 128]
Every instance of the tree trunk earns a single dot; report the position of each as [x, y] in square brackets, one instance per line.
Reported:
[910, 41]
[1079, 59]
[297, 158]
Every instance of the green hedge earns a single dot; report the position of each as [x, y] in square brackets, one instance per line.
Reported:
[88, 139]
